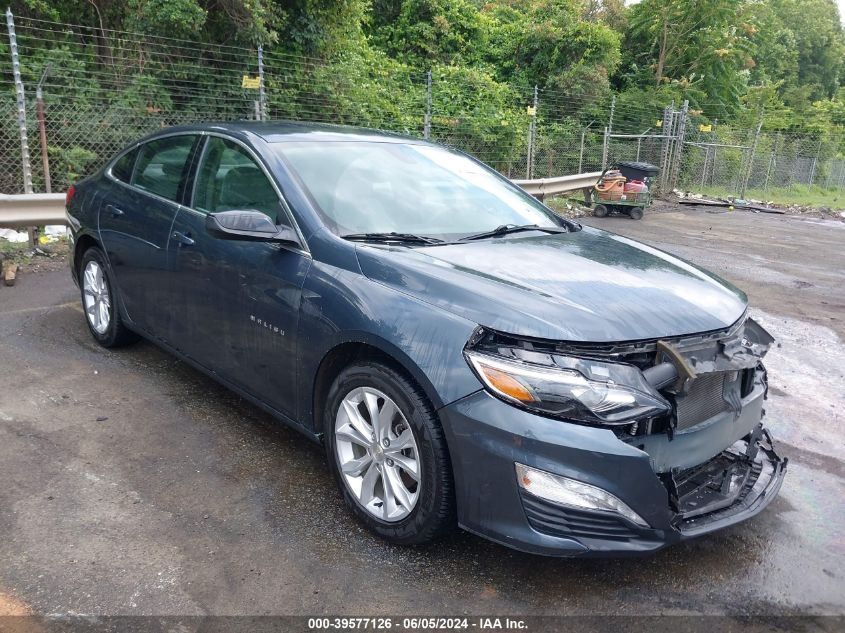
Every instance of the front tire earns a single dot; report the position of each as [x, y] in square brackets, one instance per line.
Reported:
[99, 301]
[387, 452]
[636, 213]
[600, 211]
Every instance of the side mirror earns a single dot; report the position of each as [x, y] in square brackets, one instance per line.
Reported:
[248, 225]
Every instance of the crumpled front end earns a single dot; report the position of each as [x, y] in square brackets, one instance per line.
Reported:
[735, 484]
[699, 462]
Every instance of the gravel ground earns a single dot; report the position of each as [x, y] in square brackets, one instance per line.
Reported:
[131, 484]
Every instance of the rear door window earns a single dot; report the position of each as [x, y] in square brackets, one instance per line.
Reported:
[229, 179]
[162, 165]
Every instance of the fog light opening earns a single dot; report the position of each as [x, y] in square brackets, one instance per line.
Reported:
[572, 493]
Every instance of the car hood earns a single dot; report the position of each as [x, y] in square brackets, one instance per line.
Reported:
[587, 286]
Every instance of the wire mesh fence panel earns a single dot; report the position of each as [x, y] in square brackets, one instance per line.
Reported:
[484, 119]
[832, 173]
[592, 155]
[645, 149]
[11, 175]
[104, 89]
[558, 152]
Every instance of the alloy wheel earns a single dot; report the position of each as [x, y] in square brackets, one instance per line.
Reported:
[96, 297]
[377, 454]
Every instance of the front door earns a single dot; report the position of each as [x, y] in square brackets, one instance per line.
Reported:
[237, 302]
[135, 216]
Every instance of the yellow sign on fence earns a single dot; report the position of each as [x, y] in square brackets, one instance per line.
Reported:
[251, 83]
[705, 128]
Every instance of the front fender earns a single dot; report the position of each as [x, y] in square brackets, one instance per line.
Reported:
[342, 306]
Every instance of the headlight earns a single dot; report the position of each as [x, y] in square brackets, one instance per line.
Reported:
[573, 388]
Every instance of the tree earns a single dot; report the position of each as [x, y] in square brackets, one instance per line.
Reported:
[547, 43]
[612, 13]
[426, 32]
[700, 46]
[817, 42]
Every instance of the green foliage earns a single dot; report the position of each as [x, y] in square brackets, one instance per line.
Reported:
[819, 42]
[169, 18]
[480, 115]
[427, 32]
[321, 27]
[363, 87]
[700, 47]
[69, 165]
[363, 62]
[545, 43]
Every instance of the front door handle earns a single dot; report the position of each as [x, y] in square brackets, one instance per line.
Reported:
[115, 212]
[183, 239]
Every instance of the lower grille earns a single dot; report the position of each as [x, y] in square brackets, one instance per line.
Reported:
[703, 400]
[555, 520]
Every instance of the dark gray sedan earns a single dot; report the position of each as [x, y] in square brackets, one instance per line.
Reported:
[465, 355]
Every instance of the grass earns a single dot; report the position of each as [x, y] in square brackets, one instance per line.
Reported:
[13, 250]
[802, 195]
[22, 252]
[558, 203]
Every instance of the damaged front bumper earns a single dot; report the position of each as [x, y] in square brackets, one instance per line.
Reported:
[708, 465]
[490, 437]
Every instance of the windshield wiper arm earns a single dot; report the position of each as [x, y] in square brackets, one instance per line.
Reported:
[392, 237]
[504, 229]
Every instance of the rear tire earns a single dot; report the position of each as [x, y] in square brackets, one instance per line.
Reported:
[636, 213]
[373, 470]
[600, 211]
[99, 301]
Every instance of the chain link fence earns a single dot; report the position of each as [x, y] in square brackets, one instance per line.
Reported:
[751, 163]
[102, 91]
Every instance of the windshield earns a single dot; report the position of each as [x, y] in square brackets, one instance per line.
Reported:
[377, 187]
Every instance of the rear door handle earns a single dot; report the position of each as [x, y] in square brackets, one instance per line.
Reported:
[184, 240]
[115, 212]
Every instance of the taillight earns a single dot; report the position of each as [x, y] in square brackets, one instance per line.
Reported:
[69, 195]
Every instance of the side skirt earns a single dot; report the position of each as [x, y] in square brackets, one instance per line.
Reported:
[314, 437]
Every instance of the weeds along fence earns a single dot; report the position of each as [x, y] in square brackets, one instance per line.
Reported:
[100, 90]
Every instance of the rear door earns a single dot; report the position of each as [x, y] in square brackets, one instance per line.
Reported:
[237, 301]
[135, 218]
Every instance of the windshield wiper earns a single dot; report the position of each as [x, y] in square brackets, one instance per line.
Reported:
[392, 237]
[504, 229]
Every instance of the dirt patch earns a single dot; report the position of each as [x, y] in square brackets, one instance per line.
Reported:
[41, 259]
[10, 605]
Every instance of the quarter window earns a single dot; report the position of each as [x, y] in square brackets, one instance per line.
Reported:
[229, 179]
[122, 168]
[162, 164]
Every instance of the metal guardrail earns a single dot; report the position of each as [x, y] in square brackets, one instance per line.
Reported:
[32, 209]
[38, 209]
[543, 187]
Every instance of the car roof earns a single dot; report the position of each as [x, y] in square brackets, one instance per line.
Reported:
[292, 131]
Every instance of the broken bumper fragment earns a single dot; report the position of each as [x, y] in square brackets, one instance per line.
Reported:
[729, 488]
